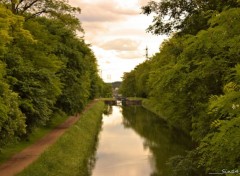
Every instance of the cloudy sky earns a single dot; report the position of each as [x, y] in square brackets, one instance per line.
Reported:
[116, 30]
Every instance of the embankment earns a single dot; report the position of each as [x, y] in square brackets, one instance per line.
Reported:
[73, 153]
[152, 106]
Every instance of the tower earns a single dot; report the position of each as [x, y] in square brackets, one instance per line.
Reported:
[146, 52]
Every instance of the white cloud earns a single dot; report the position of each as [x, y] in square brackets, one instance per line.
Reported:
[116, 30]
[143, 2]
[121, 45]
[102, 11]
[130, 55]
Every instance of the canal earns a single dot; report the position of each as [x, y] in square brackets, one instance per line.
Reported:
[135, 142]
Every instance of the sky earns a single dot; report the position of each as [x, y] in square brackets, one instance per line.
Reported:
[116, 31]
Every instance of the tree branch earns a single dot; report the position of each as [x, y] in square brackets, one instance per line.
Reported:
[36, 14]
[17, 7]
[26, 7]
[13, 6]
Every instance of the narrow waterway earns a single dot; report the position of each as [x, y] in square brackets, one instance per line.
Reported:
[135, 142]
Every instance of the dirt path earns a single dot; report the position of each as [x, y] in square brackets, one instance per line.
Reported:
[21, 160]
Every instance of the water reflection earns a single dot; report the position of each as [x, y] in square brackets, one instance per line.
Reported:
[107, 110]
[162, 141]
[134, 142]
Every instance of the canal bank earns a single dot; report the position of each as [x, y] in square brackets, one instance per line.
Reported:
[150, 105]
[132, 141]
[72, 153]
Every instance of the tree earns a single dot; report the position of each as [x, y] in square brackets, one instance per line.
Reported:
[31, 69]
[184, 16]
[32, 8]
[128, 86]
[44, 67]
[194, 83]
[12, 120]
[220, 148]
[141, 78]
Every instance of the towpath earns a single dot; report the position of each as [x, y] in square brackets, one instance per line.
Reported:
[23, 159]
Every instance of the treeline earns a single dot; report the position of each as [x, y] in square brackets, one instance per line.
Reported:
[194, 81]
[45, 68]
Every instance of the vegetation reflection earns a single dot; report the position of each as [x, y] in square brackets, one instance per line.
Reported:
[162, 140]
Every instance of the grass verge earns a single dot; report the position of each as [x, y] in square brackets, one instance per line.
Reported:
[152, 106]
[71, 154]
[135, 98]
[11, 149]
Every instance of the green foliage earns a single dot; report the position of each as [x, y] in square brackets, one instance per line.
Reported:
[106, 90]
[220, 148]
[59, 9]
[80, 72]
[32, 73]
[184, 16]
[135, 82]
[5, 23]
[45, 67]
[128, 87]
[142, 79]
[193, 83]
[190, 69]
[12, 120]
[184, 166]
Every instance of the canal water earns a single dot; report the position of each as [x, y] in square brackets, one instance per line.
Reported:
[135, 142]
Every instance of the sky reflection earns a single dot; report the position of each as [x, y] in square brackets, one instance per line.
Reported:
[121, 151]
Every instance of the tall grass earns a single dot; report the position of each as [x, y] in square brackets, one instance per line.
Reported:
[72, 154]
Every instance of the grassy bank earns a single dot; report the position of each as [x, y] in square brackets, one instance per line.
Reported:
[152, 106]
[135, 98]
[38, 133]
[70, 154]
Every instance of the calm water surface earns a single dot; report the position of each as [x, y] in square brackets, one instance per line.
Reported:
[134, 142]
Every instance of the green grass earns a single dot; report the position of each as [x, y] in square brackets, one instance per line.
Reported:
[69, 156]
[135, 98]
[152, 106]
[38, 133]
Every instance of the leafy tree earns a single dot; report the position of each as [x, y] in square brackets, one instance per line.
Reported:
[12, 120]
[44, 65]
[220, 148]
[32, 8]
[5, 24]
[31, 72]
[79, 72]
[105, 89]
[193, 83]
[185, 16]
[142, 79]
[128, 86]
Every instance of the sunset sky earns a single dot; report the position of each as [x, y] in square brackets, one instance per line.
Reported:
[116, 30]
